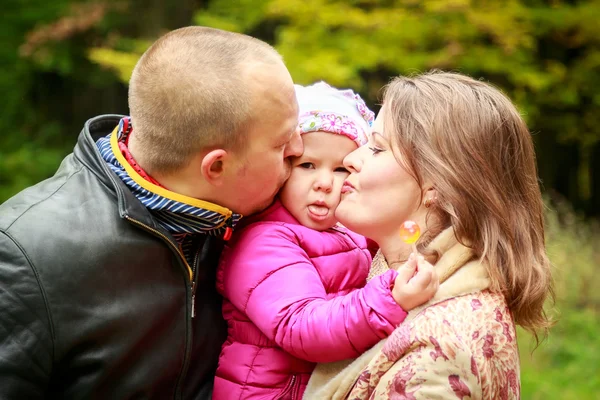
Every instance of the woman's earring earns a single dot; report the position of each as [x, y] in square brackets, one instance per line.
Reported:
[427, 203]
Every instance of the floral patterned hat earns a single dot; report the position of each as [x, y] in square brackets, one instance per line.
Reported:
[325, 108]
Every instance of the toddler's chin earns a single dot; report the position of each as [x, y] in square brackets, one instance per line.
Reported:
[340, 213]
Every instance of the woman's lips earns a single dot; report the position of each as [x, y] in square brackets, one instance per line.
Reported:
[347, 187]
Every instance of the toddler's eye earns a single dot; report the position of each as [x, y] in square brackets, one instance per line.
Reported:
[307, 165]
[342, 169]
[375, 150]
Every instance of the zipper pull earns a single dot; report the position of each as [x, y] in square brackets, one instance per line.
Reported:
[228, 229]
[193, 299]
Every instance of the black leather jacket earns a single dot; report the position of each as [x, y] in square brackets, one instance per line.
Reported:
[95, 297]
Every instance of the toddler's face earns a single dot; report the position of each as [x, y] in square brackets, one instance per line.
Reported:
[312, 193]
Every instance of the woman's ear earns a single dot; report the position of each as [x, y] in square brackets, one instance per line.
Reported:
[429, 197]
[213, 166]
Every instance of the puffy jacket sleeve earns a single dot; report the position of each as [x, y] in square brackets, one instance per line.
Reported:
[270, 278]
[25, 338]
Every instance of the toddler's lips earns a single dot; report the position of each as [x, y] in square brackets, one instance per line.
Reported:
[318, 211]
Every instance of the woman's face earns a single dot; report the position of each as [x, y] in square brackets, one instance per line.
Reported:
[380, 194]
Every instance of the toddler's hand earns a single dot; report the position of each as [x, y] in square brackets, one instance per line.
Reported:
[413, 289]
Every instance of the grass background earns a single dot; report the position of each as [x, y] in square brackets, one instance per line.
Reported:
[567, 364]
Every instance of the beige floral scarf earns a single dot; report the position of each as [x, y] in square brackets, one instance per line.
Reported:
[459, 273]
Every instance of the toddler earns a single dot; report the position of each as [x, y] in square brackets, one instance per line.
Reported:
[293, 280]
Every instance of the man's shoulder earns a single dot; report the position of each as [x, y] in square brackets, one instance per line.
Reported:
[71, 200]
[79, 179]
[30, 200]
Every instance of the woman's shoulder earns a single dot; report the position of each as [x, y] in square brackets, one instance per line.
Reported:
[471, 338]
[468, 308]
[463, 346]
[477, 319]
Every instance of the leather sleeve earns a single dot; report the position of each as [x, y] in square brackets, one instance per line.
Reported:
[26, 343]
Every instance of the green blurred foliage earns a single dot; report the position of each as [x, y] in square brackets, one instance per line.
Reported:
[48, 84]
[68, 60]
[544, 54]
[567, 364]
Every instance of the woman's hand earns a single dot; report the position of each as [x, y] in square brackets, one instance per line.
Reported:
[415, 284]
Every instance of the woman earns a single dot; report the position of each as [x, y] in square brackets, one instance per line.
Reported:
[453, 154]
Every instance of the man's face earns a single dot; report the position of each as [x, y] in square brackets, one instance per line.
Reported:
[273, 138]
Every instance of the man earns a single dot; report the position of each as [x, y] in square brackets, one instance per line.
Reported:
[107, 268]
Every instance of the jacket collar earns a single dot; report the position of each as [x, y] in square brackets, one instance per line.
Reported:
[459, 271]
[275, 212]
[88, 154]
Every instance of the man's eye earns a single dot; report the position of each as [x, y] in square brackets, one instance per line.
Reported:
[375, 150]
[307, 165]
[342, 169]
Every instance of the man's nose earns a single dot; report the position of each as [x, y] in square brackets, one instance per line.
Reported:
[295, 147]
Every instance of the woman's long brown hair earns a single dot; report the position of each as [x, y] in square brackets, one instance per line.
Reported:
[469, 141]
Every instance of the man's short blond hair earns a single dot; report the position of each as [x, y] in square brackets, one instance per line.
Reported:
[189, 92]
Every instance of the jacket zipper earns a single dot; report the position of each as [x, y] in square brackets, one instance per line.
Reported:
[335, 228]
[294, 387]
[167, 240]
[289, 389]
[188, 344]
[194, 276]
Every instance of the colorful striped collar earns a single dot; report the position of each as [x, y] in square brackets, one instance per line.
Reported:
[178, 214]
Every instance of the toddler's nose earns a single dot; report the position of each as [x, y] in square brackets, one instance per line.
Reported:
[324, 182]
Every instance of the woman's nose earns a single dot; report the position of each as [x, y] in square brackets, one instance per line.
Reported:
[352, 161]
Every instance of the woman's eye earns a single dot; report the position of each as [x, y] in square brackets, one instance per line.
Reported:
[307, 165]
[342, 169]
[375, 150]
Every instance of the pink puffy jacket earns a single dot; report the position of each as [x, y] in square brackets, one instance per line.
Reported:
[290, 303]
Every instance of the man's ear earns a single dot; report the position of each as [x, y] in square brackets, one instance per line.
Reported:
[213, 166]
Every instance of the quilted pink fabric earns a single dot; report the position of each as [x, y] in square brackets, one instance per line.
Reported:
[294, 297]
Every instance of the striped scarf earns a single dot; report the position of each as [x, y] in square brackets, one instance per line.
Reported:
[182, 216]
